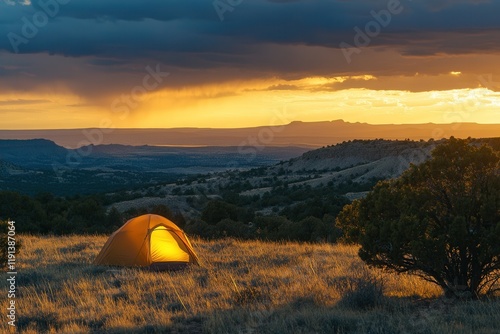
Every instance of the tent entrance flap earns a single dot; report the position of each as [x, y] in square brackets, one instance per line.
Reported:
[166, 246]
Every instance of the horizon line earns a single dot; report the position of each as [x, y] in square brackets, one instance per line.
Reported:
[248, 127]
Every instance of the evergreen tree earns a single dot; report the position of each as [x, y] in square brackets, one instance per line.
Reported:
[440, 220]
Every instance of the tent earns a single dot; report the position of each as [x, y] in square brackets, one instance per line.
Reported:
[148, 241]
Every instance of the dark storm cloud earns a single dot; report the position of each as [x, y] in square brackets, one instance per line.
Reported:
[286, 39]
[133, 27]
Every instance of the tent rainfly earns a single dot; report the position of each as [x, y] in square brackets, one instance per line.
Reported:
[148, 241]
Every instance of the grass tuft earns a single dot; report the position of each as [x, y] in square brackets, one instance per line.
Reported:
[363, 294]
[40, 321]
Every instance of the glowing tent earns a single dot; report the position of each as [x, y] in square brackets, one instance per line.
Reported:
[148, 241]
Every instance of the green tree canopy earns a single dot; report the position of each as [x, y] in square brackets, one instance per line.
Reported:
[440, 220]
[217, 210]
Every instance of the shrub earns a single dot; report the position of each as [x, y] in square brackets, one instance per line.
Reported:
[440, 220]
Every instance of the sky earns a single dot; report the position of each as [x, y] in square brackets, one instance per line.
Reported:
[242, 63]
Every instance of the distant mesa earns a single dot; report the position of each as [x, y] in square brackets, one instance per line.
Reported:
[296, 133]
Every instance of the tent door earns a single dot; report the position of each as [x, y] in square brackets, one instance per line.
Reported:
[165, 246]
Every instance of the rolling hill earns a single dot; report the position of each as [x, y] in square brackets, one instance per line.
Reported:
[35, 165]
[350, 169]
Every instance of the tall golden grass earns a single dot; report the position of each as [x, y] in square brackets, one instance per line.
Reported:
[241, 287]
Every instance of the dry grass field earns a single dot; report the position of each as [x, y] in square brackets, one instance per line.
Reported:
[242, 287]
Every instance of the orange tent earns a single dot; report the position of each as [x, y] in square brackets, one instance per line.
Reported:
[148, 240]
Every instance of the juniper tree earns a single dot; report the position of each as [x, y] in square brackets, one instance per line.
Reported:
[440, 220]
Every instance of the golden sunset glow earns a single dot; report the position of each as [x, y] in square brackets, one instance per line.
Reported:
[245, 104]
[182, 66]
